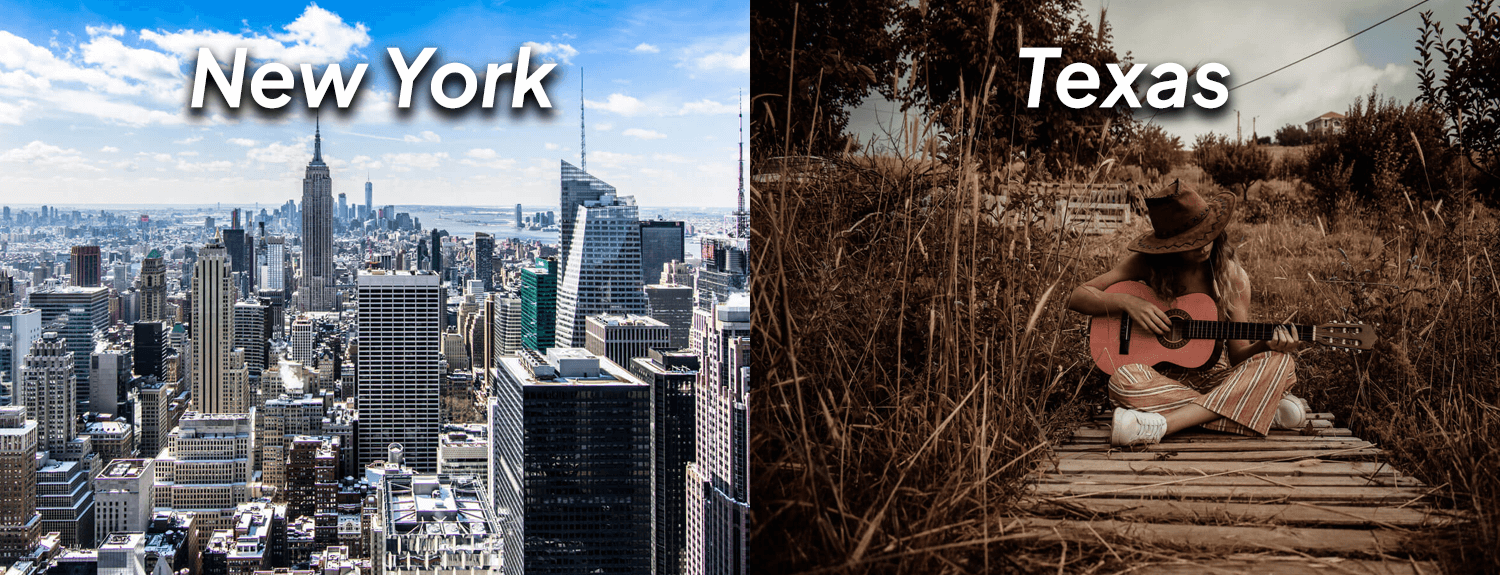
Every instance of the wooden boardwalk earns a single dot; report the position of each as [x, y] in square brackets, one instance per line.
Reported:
[1313, 501]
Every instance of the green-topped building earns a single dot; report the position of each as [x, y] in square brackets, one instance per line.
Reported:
[539, 305]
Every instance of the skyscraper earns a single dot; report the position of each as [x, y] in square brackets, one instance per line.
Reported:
[369, 197]
[484, 254]
[20, 524]
[273, 270]
[519, 219]
[86, 310]
[19, 328]
[673, 305]
[47, 390]
[343, 207]
[662, 242]
[577, 187]
[85, 266]
[7, 291]
[153, 287]
[316, 287]
[672, 375]
[204, 467]
[150, 350]
[213, 335]
[604, 275]
[719, 508]
[539, 305]
[252, 331]
[571, 464]
[234, 247]
[622, 338]
[437, 253]
[397, 366]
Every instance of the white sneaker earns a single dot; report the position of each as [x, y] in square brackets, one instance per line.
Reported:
[1291, 413]
[1133, 427]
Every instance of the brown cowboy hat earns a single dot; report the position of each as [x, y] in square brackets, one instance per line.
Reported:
[1182, 220]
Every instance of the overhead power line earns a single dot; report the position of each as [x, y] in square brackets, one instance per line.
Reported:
[1325, 48]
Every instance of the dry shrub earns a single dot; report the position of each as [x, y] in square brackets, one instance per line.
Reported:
[917, 360]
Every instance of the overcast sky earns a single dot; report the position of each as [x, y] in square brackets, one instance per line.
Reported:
[94, 93]
[1252, 38]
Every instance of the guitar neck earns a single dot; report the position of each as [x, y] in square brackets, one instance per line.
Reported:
[1197, 329]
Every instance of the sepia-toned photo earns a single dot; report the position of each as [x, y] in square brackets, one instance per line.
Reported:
[1107, 287]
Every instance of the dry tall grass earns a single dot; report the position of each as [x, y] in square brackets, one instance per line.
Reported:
[919, 361]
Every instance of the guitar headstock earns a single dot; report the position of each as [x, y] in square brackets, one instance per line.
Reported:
[1347, 335]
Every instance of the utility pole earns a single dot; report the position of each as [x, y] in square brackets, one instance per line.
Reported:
[1254, 135]
[1237, 138]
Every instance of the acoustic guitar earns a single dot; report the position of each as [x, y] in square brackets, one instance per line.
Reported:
[1194, 340]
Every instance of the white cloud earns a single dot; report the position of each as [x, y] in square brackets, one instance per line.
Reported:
[1235, 34]
[38, 153]
[645, 48]
[214, 166]
[278, 153]
[494, 164]
[187, 153]
[619, 104]
[316, 37]
[604, 126]
[248, 143]
[427, 136]
[556, 52]
[109, 149]
[407, 160]
[116, 30]
[644, 134]
[482, 154]
[11, 113]
[28, 70]
[707, 106]
[551, 146]
[724, 61]
[158, 73]
[191, 140]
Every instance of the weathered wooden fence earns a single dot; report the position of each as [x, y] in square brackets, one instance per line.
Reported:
[1084, 208]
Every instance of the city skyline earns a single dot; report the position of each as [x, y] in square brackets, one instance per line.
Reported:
[662, 88]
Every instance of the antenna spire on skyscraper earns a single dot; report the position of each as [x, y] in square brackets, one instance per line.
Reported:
[742, 218]
[583, 150]
[317, 139]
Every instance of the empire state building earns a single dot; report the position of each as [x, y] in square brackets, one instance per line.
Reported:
[316, 291]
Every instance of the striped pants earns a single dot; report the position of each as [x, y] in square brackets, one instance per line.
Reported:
[1246, 395]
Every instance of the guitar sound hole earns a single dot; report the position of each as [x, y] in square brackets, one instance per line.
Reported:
[1175, 338]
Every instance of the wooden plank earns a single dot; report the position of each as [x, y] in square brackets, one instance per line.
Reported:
[1225, 539]
[1288, 455]
[1299, 468]
[1162, 511]
[1296, 566]
[1234, 446]
[1102, 436]
[1246, 478]
[1229, 493]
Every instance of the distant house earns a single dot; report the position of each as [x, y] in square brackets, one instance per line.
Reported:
[1332, 121]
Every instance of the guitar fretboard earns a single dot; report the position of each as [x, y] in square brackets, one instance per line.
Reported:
[1198, 329]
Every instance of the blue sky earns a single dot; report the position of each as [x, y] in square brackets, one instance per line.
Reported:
[94, 102]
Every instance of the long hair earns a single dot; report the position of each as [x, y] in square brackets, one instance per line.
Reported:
[1166, 270]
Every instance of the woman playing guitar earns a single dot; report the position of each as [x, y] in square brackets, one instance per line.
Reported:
[1189, 252]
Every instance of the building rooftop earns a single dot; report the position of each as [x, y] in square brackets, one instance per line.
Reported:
[123, 469]
[107, 428]
[437, 505]
[567, 366]
[627, 320]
